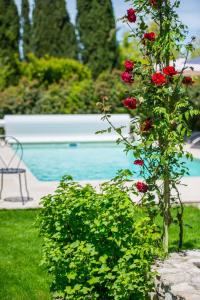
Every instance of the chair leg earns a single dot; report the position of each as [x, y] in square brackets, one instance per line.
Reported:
[25, 179]
[20, 186]
[1, 185]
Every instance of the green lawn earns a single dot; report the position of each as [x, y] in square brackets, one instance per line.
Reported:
[191, 230]
[21, 277]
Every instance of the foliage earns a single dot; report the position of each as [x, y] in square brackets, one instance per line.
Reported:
[9, 29]
[9, 38]
[71, 96]
[129, 49]
[97, 245]
[107, 86]
[22, 277]
[194, 96]
[58, 98]
[163, 107]
[26, 28]
[53, 34]
[9, 72]
[97, 33]
[48, 70]
[196, 50]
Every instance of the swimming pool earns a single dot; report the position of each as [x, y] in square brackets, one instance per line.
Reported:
[83, 161]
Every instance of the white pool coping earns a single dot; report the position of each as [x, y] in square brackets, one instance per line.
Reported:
[189, 191]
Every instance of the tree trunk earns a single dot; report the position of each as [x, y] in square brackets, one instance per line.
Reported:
[166, 220]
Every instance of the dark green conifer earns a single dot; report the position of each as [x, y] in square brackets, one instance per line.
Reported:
[53, 33]
[9, 29]
[9, 43]
[26, 28]
[97, 34]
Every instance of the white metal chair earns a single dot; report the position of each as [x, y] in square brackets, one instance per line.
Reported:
[11, 165]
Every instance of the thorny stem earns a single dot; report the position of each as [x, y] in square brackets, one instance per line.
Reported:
[180, 219]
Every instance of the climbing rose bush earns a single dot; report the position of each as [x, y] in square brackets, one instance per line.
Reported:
[163, 109]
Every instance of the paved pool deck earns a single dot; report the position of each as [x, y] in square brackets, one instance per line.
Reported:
[189, 190]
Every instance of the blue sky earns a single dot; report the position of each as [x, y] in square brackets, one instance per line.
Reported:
[189, 13]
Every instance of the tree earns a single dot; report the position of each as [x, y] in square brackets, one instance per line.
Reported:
[53, 33]
[196, 51]
[26, 27]
[9, 29]
[9, 42]
[97, 33]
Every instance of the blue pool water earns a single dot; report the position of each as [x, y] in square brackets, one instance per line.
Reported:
[83, 161]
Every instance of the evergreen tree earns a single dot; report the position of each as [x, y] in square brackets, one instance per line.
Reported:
[9, 29]
[26, 27]
[97, 33]
[53, 34]
[9, 43]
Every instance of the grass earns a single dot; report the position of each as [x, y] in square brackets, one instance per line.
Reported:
[21, 277]
[191, 230]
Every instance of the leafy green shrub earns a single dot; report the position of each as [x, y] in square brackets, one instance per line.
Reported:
[58, 98]
[194, 94]
[97, 245]
[19, 99]
[81, 98]
[48, 70]
[9, 71]
[71, 96]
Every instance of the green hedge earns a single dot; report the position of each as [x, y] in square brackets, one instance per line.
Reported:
[48, 70]
[57, 86]
[97, 246]
[66, 96]
[194, 94]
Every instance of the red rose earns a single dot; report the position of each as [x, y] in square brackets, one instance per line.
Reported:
[187, 80]
[150, 36]
[142, 187]
[170, 71]
[127, 77]
[139, 162]
[130, 103]
[158, 79]
[153, 2]
[131, 16]
[129, 65]
[147, 125]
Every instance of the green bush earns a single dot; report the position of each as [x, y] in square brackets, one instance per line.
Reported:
[19, 99]
[66, 96]
[194, 94]
[108, 85]
[57, 98]
[97, 245]
[48, 70]
[9, 71]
